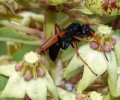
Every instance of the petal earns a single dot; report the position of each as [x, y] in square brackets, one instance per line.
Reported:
[65, 95]
[7, 70]
[117, 48]
[115, 91]
[97, 62]
[51, 86]
[37, 89]
[113, 79]
[15, 87]
[73, 67]
[112, 70]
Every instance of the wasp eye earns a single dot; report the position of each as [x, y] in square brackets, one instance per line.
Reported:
[84, 31]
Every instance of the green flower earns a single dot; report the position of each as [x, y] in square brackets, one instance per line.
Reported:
[99, 64]
[37, 88]
[95, 59]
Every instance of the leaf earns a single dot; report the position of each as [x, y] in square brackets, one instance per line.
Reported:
[9, 34]
[34, 0]
[3, 81]
[28, 4]
[117, 47]
[84, 10]
[9, 16]
[25, 3]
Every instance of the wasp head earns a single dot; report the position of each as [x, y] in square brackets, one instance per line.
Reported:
[86, 29]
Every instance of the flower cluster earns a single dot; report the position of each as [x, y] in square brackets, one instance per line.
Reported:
[98, 63]
[36, 88]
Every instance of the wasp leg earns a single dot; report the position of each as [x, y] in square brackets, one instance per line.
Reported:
[78, 38]
[76, 49]
[99, 44]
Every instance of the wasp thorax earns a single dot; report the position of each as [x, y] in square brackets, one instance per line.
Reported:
[31, 66]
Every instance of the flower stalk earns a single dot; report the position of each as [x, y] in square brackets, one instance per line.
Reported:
[50, 21]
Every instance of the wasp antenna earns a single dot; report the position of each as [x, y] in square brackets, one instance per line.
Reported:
[76, 49]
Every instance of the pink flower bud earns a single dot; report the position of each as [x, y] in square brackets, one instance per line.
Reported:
[19, 66]
[28, 75]
[107, 47]
[94, 45]
[114, 40]
[80, 97]
[40, 72]
[42, 60]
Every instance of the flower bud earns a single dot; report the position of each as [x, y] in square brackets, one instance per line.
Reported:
[19, 66]
[107, 47]
[40, 72]
[114, 40]
[94, 45]
[28, 75]
[80, 97]
[42, 60]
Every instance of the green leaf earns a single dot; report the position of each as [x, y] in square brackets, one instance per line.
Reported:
[25, 3]
[28, 4]
[9, 16]
[9, 34]
[34, 0]
[84, 10]
[3, 81]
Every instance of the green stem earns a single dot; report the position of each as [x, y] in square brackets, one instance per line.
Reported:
[50, 20]
[25, 29]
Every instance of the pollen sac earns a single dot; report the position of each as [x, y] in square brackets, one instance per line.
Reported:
[104, 7]
[28, 75]
[80, 97]
[107, 47]
[94, 45]
[114, 40]
[40, 72]
[19, 66]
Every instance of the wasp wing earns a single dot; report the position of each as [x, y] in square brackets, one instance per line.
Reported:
[54, 49]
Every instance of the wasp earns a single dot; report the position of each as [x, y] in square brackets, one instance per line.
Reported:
[70, 35]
